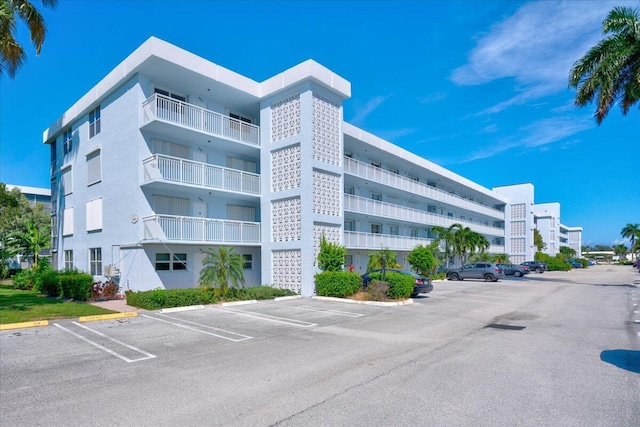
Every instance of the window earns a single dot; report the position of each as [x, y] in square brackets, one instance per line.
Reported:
[166, 205]
[68, 260]
[170, 149]
[348, 260]
[413, 232]
[67, 141]
[414, 178]
[376, 196]
[449, 214]
[376, 228]
[348, 225]
[248, 261]
[94, 122]
[241, 213]
[394, 171]
[67, 224]
[171, 262]
[66, 181]
[94, 214]
[170, 94]
[95, 261]
[349, 190]
[376, 164]
[243, 165]
[94, 168]
[393, 230]
[240, 117]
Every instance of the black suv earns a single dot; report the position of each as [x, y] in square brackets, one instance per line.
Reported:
[538, 267]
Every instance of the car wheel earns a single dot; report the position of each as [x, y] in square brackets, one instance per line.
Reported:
[538, 270]
[415, 294]
[488, 278]
[454, 276]
[517, 274]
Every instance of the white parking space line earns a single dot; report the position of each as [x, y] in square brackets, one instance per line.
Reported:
[266, 317]
[180, 325]
[336, 312]
[101, 347]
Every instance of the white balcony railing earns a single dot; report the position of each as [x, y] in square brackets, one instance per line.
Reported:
[183, 171]
[358, 240]
[171, 110]
[202, 230]
[373, 173]
[387, 210]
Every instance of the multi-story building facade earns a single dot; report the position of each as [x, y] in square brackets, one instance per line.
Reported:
[170, 155]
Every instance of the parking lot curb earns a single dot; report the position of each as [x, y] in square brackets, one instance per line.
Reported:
[21, 325]
[177, 309]
[378, 303]
[98, 317]
[287, 298]
[229, 304]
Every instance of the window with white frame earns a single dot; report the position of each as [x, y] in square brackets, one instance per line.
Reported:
[376, 196]
[240, 117]
[349, 190]
[171, 262]
[67, 225]
[248, 261]
[376, 228]
[376, 164]
[393, 230]
[241, 164]
[413, 232]
[94, 214]
[167, 205]
[95, 261]
[241, 213]
[68, 259]
[94, 167]
[67, 141]
[94, 122]
[170, 93]
[66, 180]
[348, 225]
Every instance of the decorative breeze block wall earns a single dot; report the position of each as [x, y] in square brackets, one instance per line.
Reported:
[327, 194]
[330, 232]
[285, 168]
[287, 270]
[326, 131]
[286, 220]
[285, 118]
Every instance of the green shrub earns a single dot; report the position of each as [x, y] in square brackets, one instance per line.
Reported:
[439, 276]
[48, 282]
[338, 284]
[400, 286]
[76, 285]
[331, 256]
[24, 280]
[266, 292]
[161, 298]
[583, 261]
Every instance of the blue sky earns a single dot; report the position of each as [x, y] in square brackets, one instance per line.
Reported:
[479, 87]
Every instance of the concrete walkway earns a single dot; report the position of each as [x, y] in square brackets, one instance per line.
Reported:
[119, 305]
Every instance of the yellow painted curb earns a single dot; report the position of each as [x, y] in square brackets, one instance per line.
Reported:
[21, 325]
[107, 316]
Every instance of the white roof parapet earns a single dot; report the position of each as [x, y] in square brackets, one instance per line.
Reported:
[395, 150]
[37, 191]
[154, 47]
[308, 69]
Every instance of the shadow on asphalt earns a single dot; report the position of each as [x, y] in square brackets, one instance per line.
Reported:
[624, 359]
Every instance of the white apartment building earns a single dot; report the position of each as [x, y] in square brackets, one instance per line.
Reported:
[171, 154]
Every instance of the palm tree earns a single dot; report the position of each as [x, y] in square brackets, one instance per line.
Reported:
[382, 259]
[621, 250]
[13, 55]
[222, 267]
[445, 235]
[34, 240]
[631, 231]
[610, 71]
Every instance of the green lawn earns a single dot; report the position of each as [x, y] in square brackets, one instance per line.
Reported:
[25, 306]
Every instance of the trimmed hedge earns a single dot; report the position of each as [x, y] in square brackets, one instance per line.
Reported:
[48, 283]
[400, 286]
[338, 284]
[76, 285]
[168, 298]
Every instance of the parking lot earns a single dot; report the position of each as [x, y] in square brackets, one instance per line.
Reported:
[308, 361]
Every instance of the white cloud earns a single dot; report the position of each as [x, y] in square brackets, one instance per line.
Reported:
[364, 111]
[536, 47]
[433, 97]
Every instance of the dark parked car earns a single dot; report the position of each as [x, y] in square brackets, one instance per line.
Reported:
[538, 267]
[476, 270]
[422, 284]
[514, 269]
[574, 263]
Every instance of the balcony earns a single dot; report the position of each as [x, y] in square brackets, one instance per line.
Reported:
[376, 174]
[387, 210]
[371, 241]
[160, 167]
[181, 229]
[169, 110]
